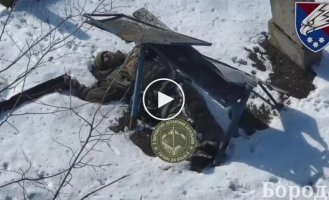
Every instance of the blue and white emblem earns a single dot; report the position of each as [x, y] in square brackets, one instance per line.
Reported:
[312, 24]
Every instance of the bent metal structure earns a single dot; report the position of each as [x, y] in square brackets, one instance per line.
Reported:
[8, 3]
[233, 87]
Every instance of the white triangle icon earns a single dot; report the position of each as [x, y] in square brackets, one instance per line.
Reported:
[163, 99]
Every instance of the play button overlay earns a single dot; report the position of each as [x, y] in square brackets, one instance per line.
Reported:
[163, 99]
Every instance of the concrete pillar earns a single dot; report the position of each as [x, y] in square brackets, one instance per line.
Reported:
[284, 36]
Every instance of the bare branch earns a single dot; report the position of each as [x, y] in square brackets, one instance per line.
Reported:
[105, 186]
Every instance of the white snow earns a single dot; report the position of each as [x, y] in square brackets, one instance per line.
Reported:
[294, 151]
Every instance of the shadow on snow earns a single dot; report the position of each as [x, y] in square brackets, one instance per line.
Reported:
[40, 9]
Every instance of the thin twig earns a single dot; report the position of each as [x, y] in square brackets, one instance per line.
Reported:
[93, 192]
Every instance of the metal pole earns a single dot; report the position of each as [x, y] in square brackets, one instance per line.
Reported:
[137, 89]
[237, 108]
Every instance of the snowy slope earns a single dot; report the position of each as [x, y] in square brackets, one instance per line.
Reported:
[292, 152]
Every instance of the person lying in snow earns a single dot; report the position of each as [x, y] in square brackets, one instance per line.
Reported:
[115, 73]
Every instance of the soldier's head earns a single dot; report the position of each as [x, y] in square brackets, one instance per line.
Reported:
[102, 60]
[106, 60]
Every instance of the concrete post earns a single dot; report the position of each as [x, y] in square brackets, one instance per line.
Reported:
[284, 36]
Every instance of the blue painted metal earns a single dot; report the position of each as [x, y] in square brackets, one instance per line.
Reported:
[138, 88]
[236, 111]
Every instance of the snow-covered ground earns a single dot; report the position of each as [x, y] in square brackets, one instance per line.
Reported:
[294, 151]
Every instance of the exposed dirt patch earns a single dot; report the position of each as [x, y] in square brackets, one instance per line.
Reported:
[285, 73]
[257, 57]
[255, 118]
[263, 112]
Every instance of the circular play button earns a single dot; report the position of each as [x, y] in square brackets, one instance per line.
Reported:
[163, 99]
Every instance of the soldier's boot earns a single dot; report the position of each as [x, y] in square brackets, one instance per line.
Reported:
[142, 138]
[204, 155]
[212, 134]
[122, 123]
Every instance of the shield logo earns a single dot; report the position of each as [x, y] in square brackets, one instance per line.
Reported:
[312, 24]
